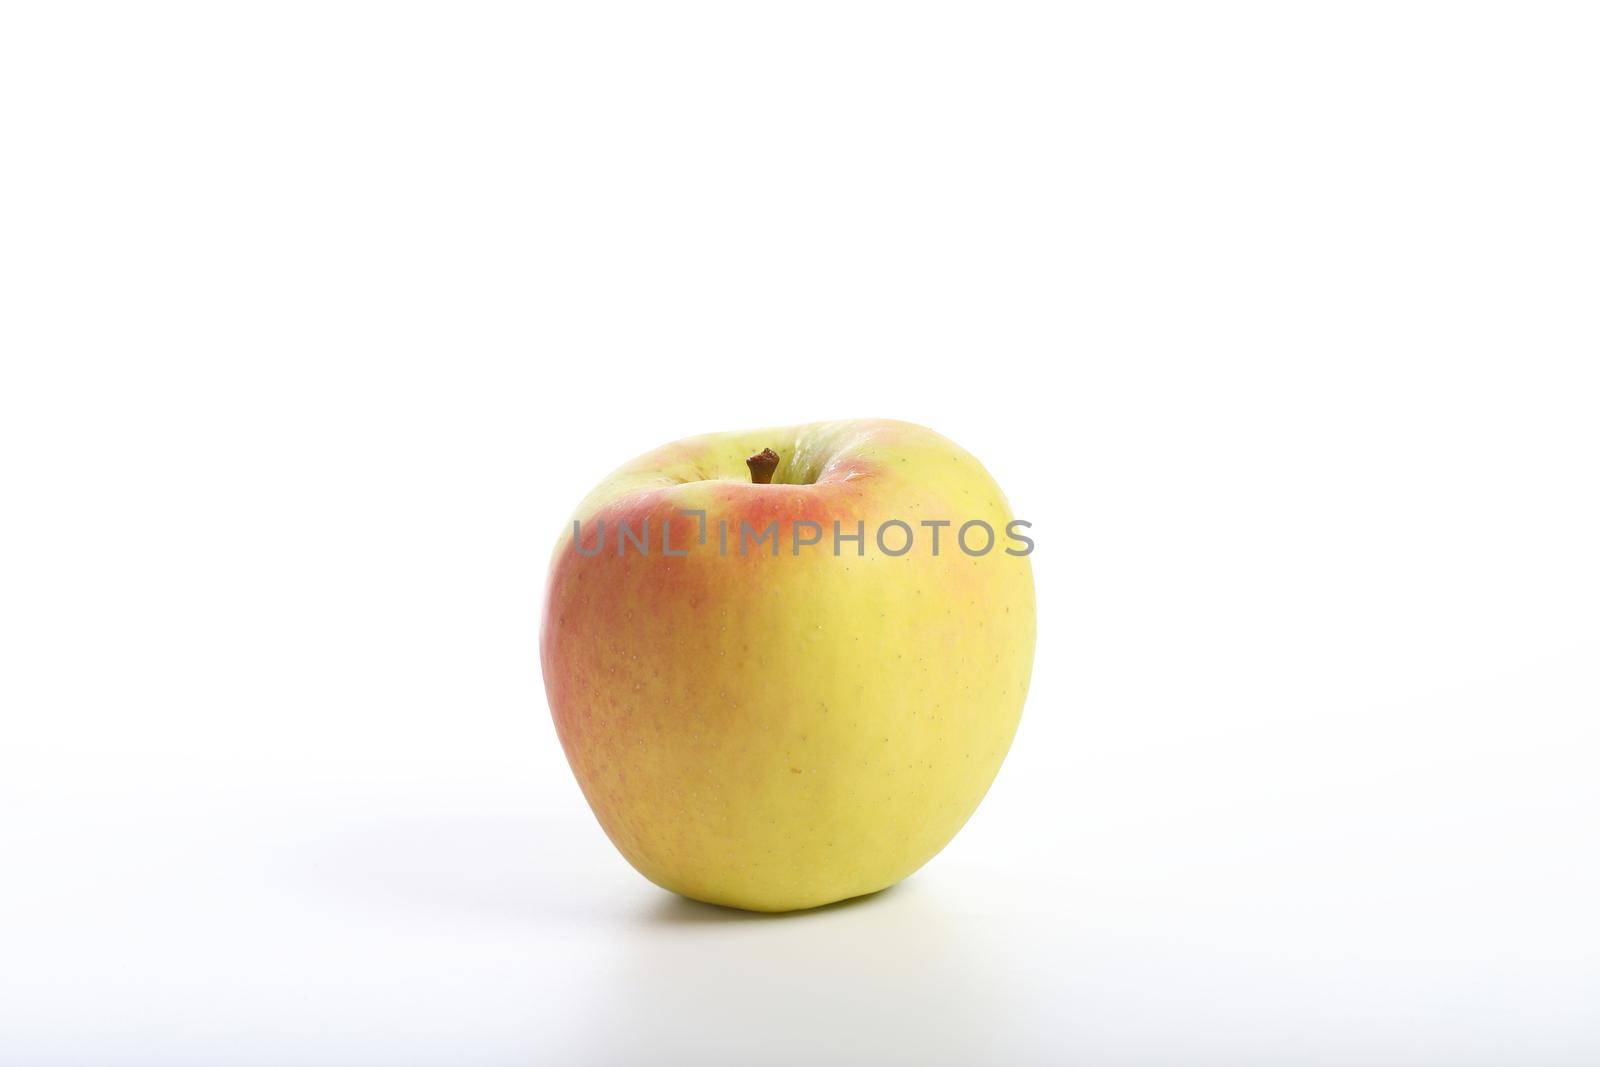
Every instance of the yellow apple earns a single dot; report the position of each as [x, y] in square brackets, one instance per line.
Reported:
[779, 694]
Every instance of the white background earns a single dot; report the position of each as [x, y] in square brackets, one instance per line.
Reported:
[1278, 321]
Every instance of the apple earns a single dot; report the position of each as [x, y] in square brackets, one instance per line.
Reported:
[786, 664]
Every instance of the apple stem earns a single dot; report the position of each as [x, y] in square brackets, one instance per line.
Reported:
[761, 465]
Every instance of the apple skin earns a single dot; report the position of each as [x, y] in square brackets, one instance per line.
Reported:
[781, 732]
